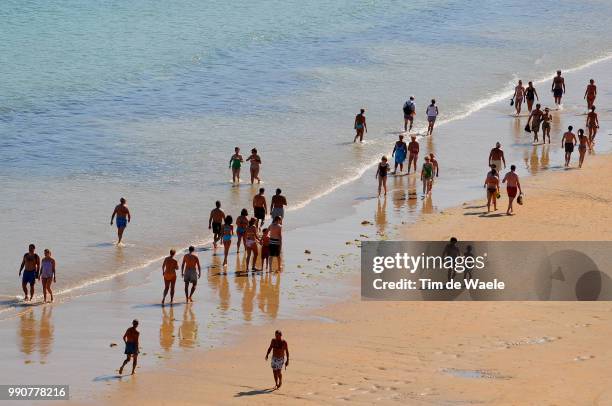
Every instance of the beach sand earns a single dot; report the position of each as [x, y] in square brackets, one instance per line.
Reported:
[443, 353]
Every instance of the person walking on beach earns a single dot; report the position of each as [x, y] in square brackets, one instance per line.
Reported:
[568, 141]
[427, 175]
[228, 233]
[277, 205]
[190, 263]
[251, 238]
[381, 175]
[255, 163]
[123, 218]
[30, 266]
[497, 158]
[360, 126]
[531, 95]
[413, 153]
[592, 123]
[265, 250]
[492, 186]
[235, 163]
[47, 274]
[518, 97]
[169, 267]
[590, 94]
[131, 338]
[432, 114]
[534, 121]
[583, 143]
[513, 185]
[546, 119]
[451, 250]
[279, 349]
[409, 113]
[260, 207]
[558, 88]
[242, 222]
[276, 241]
[400, 150]
[214, 222]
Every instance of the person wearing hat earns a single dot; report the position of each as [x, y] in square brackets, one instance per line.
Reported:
[279, 348]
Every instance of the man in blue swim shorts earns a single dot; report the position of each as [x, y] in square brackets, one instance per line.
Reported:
[123, 218]
[30, 265]
[131, 338]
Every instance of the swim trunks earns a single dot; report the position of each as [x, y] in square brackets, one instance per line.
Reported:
[191, 275]
[545, 125]
[29, 277]
[558, 92]
[431, 119]
[498, 164]
[275, 247]
[277, 363]
[131, 348]
[278, 211]
[121, 222]
[512, 190]
[569, 147]
[260, 213]
[216, 228]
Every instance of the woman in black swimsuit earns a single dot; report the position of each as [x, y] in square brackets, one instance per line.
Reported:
[531, 95]
[583, 143]
[381, 174]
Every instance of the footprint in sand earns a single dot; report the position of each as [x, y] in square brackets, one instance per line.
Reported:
[584, 357]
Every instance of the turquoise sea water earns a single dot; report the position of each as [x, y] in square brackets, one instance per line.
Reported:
[146, 100]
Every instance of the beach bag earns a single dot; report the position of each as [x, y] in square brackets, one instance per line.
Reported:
[527, 128]
[512, 102]
[519, 199]
[408, 108]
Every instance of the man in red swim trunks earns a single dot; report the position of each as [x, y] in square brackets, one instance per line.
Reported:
[512, 187]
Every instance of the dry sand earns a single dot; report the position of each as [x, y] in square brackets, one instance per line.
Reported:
[442, 353]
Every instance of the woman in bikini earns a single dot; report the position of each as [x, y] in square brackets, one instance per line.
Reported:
[519, 96]
[592, 123]
[381, 175]
[228, 232]
[250, 242]
[583, 143]
[492, 186]
[47, 274]
[242, 223]
[590, 94]
[255, 162]
[169, 268]
[531, 95]
[546, 119]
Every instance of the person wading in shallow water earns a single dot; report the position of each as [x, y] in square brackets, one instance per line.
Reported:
[360, 125]
[30, 265]
[123, 218]
[279, 348]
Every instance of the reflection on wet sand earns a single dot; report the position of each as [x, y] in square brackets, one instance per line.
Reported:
[537, 159]
[166, 330]
[428, 206]
[33, 336]
[218, 281]
[248, 286]
[380, 217]
[188, 331]
[269, 293]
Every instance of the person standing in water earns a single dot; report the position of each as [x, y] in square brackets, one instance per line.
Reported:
[251, 238]
[513, 185]
[47, 274]
[497, 158]
[260, 207]
[518, 97]
[400, 150]
[568, 141]
[546, 119]
[492, 186]
[427, 175]
[381, 175]
[228, 232]
[360, 126]
[432, 113]
[131, 338]
[413, 153]
[235, 163]
[242, 222]
[558, 88]
[123, 218]
[592, 123]
[277, 205]
[279, 349]
[276, 241]
[30, 266]
[531, 95]
[214, 222]
[169, 267]
[590, 94]
[409, 113]
[190, 263]
[535, 120]
[435, 164]
[583, 143]
[255, 163]
[265, 250]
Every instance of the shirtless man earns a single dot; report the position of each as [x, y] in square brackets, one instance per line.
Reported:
[30, 265]
[360, 126]
[518, 97]
[497, 158]
[413, 153]
[123, 218]
[189, 274]
[130, 338]
[590, 94]
[513, 185]
[568, 141]
[400, 149]
[409, 113]
[169, 267]
[214, 222]
[276, 241]
[260, 207]
[279, 349]
[235, 163]
[546, 120]
[558, 88]
[592, 123]
[255, 163]
[535, 120]
[277, 205]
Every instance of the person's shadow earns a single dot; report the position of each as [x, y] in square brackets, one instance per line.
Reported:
[254, 392]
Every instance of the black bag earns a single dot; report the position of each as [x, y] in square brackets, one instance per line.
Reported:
[527, 128]
[512, 102]
[408, 108]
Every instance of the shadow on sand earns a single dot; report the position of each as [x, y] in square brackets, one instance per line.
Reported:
[254, 392]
